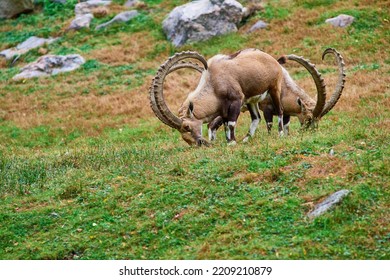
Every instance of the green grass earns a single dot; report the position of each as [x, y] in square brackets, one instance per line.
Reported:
[311, 4]
[271, 12]
[154, 198]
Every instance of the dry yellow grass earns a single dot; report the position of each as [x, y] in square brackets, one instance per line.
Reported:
[131, 50]
[63, 102]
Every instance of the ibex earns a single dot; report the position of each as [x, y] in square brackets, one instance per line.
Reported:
[294, 100]
[226, 82]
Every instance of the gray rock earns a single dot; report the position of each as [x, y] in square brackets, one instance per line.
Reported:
[122, 17]
[252, 8]
[87, 7]
[132, 3]
[31, 43]
[341, 20]
[258, 25]
[328, 203]
[12, 8]
[54, 215]
[81, 21]
[202, 20]
[59, 1]
[50, 65]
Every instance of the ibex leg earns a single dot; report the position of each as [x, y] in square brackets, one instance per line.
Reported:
[230, 122]
[275, 96]
[286, 124]
[268, 116]
[213, 127]
[255, 116]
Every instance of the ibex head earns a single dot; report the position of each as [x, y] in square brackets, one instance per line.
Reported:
[306, 117]
[189, 127]
[312, 111]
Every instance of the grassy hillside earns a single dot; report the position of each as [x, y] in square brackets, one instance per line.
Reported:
[88, 172]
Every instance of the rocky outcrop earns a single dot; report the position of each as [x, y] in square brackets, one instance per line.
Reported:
[50, 65]
[341, 20]
[201, 20]
[122, 17]
[12, 8]
[31, 43]
[84, 13]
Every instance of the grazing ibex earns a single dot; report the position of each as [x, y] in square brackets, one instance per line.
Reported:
[294, 100]
[227, 80]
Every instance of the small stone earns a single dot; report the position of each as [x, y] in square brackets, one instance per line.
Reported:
[100, 12]
[82, 21]
[258, 25]
[42, 51]
[328, 203]
[341, 20]
[122, 17]
[54, 214]
[59, 1]
[134, 4]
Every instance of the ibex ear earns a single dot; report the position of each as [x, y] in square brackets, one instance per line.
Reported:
[299, 102]
[282, 60]
[190, 110]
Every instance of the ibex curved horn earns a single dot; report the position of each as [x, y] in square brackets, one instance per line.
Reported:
[153, 104]
[340, 83]
[157, 100]
[318, 80]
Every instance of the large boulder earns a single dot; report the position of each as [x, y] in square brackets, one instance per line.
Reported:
[50, 65]
[12, 8]
[201, 20]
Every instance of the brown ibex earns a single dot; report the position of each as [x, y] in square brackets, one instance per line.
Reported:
[226, 82]
[294, 100]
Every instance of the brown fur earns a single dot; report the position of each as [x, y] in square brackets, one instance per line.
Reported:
[225, 85]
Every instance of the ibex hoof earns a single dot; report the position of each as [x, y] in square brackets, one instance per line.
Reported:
[203, 142]
[246, 139]
[232, 143]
